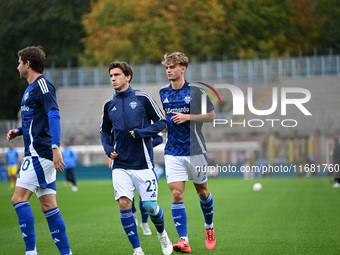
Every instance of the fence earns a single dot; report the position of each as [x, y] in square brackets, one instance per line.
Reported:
[257, 71]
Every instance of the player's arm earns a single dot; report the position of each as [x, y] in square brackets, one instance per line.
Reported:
[156, 140]
[13, 133]
[180, 118]
[105, 132]
[156, 115]
[54, 123]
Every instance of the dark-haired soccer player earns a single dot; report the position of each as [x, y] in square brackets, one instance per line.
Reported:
[185, 150]
[41, 132]
[130, 118]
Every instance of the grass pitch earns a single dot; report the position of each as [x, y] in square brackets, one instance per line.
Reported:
[288, 216]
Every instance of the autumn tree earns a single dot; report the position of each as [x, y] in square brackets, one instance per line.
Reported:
[303, 32]
[142, 30]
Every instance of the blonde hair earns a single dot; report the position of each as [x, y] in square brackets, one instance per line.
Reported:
[176, 58]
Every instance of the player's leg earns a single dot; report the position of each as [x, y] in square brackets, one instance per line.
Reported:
[144, 223]
[147, 188]
[124, 193]
[73, 179]
[206, 201]
[176, 174]
[25, 217]
[134, 211]
[56, 224]
[143, 212]
[12, 172]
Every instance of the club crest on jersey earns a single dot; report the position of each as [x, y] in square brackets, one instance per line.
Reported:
[133, 104]
[26, 96]
[187, 99]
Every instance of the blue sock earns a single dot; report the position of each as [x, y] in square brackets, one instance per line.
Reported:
[180, 219]
[158, 219]
[144, 212]
[26, 223]
[207, 208]
[133, 206]
[58, 230]
[129, 225]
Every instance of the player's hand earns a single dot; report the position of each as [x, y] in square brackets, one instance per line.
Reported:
[13, 133]
[58, 160]
[113, 155]
[133, 134]
[180, 118]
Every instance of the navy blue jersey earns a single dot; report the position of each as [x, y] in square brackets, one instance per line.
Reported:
[184, 139]
[39, 98]
[131, 110]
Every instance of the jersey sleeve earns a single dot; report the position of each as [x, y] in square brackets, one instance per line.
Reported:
[45, 94]
[105, 131]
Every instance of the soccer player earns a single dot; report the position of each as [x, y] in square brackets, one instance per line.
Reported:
[70, 157]
[11, 164]
[41, 132]
[185, 150]
[129, 119]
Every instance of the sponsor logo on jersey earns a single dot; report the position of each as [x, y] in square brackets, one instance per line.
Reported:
[25, 108]
[166, 100]
[181, 110]
[133, 104]
[114, 108]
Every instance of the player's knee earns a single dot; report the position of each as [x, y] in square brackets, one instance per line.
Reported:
[177, 196]
[124, 203]
[150, 206]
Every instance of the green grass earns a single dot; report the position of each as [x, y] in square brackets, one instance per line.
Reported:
[289, 216]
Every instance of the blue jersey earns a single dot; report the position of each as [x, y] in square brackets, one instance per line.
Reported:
[131, 110]
[183, 139]
[39, 98]
[12, 157]
[70, 157]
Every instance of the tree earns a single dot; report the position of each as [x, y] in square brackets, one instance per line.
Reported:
[140, 30]
[304, 28]
[255, 27]
[330, 32]
[54, 24]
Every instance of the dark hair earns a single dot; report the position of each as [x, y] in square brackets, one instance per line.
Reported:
[35, 55]
[125, 67]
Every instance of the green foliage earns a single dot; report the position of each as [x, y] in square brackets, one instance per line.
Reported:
[330, 11]
[54, 24]
[142, 30]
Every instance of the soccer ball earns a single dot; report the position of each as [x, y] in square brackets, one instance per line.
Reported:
[257, 186]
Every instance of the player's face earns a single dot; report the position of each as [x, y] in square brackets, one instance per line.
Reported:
[22, 68]
[175, 71]
[119, 81]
